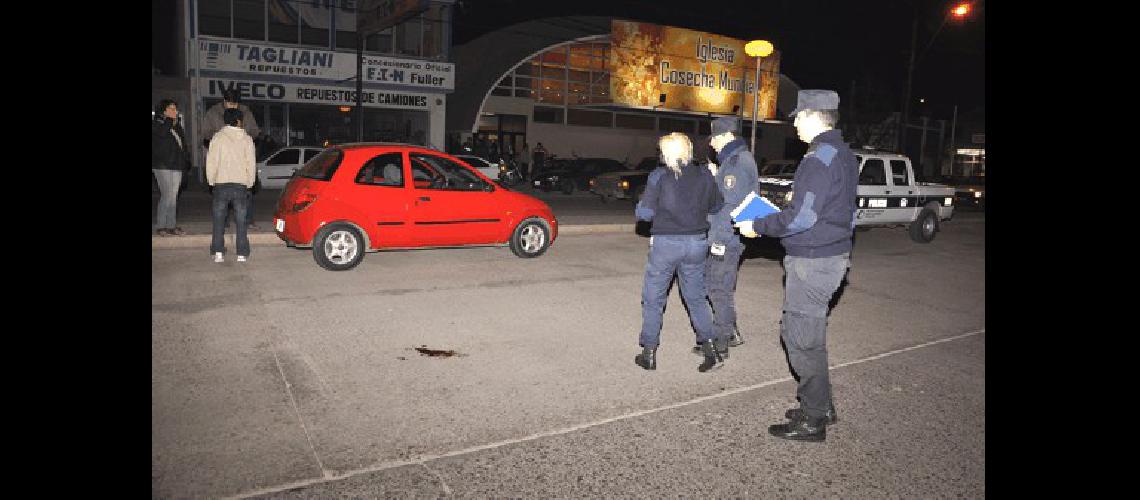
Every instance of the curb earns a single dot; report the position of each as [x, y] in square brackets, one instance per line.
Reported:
[271, 239]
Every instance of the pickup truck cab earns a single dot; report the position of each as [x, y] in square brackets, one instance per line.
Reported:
[887, 195]
[624, 184]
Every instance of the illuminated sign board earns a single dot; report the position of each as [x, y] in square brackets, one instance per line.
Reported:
[697, 71]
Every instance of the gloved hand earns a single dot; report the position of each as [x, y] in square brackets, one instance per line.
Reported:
[746, 229]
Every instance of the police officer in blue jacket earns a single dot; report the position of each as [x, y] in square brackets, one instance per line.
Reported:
[678, 198]
[736, 176]
[816, 230]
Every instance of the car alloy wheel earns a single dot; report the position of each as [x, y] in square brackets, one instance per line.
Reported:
[531, 238]
[338, 247]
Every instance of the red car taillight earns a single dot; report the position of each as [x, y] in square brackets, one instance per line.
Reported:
[303, 200]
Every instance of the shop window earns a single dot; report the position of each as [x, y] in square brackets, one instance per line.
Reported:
[639, 122]
[315, 21]
[589, 118]
[434, 26]
[578, 76]
[525, 69]
[283, 22]
[407, 37]
[380, 42]
[500, 91]
[214, 17]
[345, 19]
[544, 114]
[249, 19]
[676, 125]
[524, 93]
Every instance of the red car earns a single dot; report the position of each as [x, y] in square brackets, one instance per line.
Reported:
[355, 198]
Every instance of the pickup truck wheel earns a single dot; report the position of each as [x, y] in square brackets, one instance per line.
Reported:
[923, 228]
[531, 238]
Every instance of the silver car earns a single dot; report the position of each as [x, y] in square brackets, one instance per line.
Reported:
[276, 169]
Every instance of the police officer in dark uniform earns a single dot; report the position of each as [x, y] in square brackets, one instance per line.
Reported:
[736, 176]
[679, 196]
[816, 230]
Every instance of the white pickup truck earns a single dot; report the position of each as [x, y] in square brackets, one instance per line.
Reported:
[887, 195]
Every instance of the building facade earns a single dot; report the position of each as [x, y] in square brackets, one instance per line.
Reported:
[560, 94]
[294, 62]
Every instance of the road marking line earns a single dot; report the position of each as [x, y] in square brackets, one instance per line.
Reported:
[297, 411]
[424, 459]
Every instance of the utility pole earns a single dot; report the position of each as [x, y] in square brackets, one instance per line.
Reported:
[359, 87]
[909, 81]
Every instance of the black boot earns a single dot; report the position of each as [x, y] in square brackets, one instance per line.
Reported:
[737, 338]
[801, 429]
[647, 359]
[713, 358]
[722, 347]
[795, 413]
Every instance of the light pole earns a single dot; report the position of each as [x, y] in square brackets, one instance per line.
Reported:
[757, 49]
[959, 11]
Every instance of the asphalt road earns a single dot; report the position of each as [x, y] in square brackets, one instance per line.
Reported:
[277, 378]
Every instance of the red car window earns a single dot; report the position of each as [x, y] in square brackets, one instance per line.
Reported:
[323, 166]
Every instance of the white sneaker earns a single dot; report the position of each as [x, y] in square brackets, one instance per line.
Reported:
[241, 258]
[219, 257]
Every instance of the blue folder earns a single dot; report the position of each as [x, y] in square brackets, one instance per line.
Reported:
[753, 207]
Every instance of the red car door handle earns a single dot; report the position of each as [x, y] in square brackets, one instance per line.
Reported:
[425, 198]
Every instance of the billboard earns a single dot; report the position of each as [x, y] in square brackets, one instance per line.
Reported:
[697, 71]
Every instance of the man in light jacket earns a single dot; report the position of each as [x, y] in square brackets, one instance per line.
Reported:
[212, 122]
[231, 170]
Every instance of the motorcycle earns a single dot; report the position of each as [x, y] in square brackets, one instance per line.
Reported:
[509, 173]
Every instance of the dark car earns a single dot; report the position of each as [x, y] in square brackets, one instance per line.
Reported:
[969, 191]
[625, 184]
[570, 175]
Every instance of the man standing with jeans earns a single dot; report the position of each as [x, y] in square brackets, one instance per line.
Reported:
[231, 170]
[816, 230]
[679, 197]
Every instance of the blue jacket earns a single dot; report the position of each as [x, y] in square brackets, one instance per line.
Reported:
[736, 177]
[679, 205]
[821, 217]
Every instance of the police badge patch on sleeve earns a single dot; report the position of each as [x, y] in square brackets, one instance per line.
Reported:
[729, 181]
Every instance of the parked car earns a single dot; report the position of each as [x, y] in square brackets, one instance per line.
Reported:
[625, 184]
[365, 197]
[569, 175]
[276, 169]
[969, 191]
[488, 169]
[776, 168]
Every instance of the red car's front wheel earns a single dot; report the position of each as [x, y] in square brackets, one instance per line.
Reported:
[531, 238]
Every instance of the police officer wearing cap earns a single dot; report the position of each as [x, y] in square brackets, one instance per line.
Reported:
[736, 176]
[815, 230]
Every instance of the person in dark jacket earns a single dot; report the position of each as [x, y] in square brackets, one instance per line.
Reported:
[678, 199]
[168, 161]
[736, 176]
[815, 230]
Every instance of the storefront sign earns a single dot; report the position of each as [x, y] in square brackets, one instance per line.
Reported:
[316, 94]
[265, 59]
[696, 71]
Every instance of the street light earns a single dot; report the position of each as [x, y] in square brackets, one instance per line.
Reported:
[959, 11]
[757, 49]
